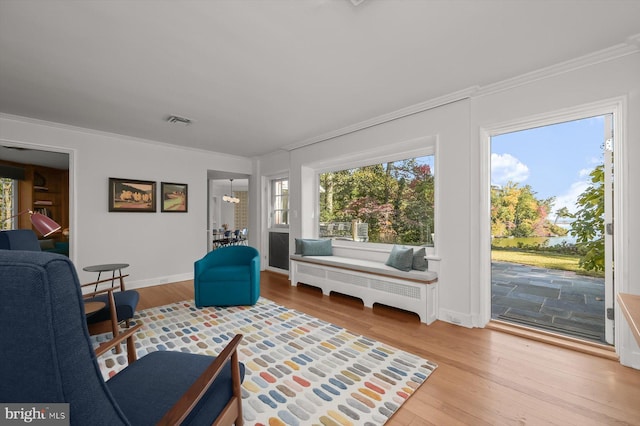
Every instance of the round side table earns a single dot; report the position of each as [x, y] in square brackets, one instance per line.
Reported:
[108, 267]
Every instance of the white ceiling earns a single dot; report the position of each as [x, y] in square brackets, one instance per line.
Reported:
[259, 75]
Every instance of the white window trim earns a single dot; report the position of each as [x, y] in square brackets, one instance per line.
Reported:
[426, 146]
[271, 225]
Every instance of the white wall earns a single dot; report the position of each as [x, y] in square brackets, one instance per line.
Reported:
[461, 163]
[603, 82]
[160, 247]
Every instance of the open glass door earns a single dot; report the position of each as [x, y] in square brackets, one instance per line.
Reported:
[552, 236]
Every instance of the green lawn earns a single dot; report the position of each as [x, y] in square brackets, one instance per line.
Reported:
[564, 262]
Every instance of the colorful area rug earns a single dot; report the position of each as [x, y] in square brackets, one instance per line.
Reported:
[299, 370]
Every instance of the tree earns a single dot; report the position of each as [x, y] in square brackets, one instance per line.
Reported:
[562, 212]
[396, 200]
[588, 226]
[6, 198]
[516, 212]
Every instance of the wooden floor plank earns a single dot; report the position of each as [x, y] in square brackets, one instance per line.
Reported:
[484, 377]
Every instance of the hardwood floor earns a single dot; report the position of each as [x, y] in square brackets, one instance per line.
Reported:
[485, 377]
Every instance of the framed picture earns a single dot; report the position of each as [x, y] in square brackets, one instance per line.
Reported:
[130, 195]
[174, 197]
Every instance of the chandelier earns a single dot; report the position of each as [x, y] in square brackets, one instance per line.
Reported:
[231, 198]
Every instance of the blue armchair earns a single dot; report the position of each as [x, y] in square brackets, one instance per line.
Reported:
[46, 357]
[126, 301]
[19, 239]
[227, 276]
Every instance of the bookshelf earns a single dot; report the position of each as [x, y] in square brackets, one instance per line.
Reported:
[46, 191]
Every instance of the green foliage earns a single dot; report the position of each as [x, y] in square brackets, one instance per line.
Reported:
[395, 199]
[562, 248]
[516, 212]
[562, 212]
[6, 202]
[588, 226]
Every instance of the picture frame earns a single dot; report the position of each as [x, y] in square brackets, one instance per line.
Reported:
[132, 195]
[174, 197]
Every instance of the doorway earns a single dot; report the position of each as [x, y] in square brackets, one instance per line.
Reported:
[227, 216]
[38, 180]
[551, 203]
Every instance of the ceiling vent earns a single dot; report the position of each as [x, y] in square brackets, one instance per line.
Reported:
[174, 119]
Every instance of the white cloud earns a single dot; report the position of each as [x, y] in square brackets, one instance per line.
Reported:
[505, 168]
[584, 172]
[595, 160]
[569, 198]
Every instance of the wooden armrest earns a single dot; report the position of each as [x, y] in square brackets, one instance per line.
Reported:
[95, 293]
[128, 335]
[192, 396]
[106, 280]
[113, 315]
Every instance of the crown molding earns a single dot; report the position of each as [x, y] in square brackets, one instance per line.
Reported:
[634, 40]
[86, 130]
[385, 118]
[629, 47]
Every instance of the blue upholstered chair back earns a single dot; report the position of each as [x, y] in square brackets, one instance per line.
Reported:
[45, 354]
[230, 255]
[19, 239]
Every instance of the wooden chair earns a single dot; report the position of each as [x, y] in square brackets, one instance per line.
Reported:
[47, 356]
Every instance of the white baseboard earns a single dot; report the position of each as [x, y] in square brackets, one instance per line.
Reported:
[457, 318]
[131, 285]
[628, 350]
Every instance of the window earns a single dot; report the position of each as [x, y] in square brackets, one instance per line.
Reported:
[280, 202]
[391, 202]
[8, 202]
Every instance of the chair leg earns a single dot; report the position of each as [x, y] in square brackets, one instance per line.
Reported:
[114, 320]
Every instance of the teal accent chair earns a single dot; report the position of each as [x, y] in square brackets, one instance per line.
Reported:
[46, 357]
[227, 276]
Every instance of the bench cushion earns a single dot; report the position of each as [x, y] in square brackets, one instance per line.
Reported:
[368, 266]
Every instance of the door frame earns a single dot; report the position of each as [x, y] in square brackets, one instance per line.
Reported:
[615, 106]
[72, 158]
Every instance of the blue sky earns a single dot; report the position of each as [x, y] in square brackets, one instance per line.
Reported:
[554, 160]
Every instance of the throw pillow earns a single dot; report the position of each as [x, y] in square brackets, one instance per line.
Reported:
[400, 258]
[299, 244]
[419, 262]
[317, 248]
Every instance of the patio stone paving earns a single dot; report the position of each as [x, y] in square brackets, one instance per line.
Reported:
[558, 301]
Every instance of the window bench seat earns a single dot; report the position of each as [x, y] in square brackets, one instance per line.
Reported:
[371, 281]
